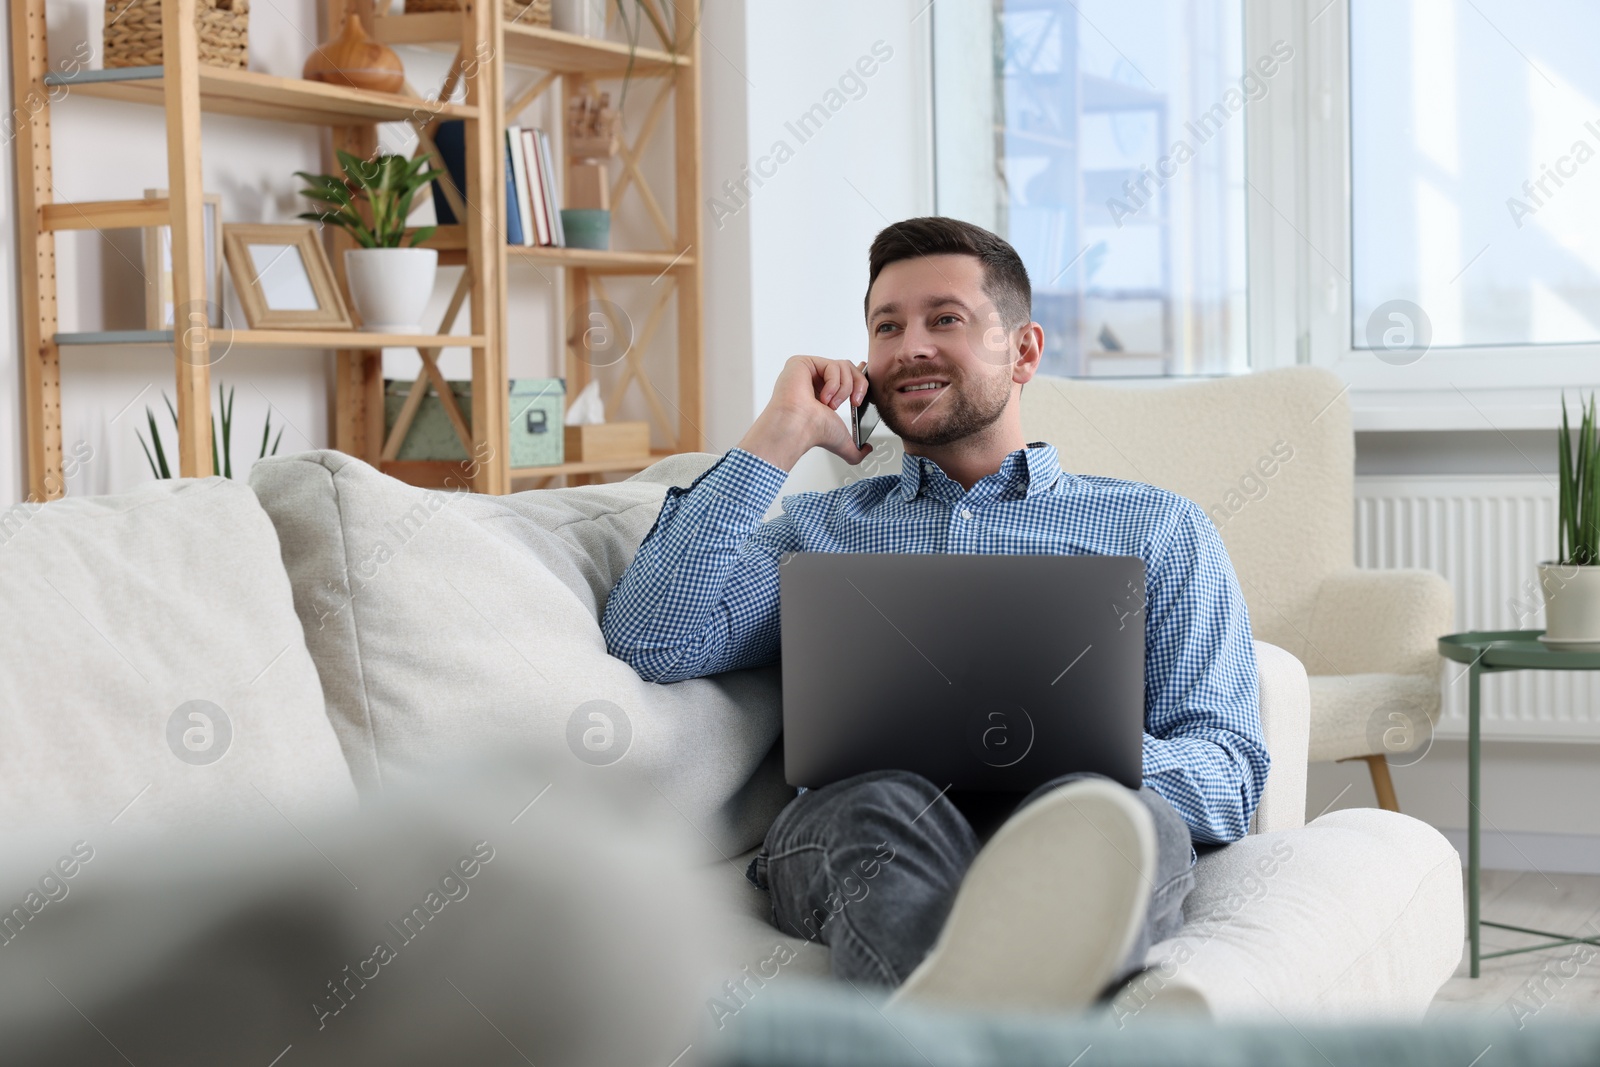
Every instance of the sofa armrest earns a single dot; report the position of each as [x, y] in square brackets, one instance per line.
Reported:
[1379, 622]
[1355, 916]
[1286, 722]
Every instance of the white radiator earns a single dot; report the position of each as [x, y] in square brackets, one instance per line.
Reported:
[1485, 534]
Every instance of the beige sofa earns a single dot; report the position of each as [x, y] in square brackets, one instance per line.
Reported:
[344, 631]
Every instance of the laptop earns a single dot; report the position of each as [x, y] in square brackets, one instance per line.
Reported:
[978, 672]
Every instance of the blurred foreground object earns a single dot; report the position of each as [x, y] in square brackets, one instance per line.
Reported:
[503, 917]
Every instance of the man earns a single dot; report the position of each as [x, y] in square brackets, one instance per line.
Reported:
[1084, 875]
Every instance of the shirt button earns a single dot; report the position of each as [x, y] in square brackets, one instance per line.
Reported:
[966, 513]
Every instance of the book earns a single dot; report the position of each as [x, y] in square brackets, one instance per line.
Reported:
[535, 189]
[450, 137]
[553, 197]
[520, 172]
[513, 213]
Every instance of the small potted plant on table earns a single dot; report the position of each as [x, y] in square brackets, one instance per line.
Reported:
[1571, 584]
[390, 284]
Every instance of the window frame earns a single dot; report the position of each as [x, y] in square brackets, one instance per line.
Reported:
[1502, 387]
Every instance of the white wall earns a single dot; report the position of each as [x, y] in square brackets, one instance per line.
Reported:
[797, 244]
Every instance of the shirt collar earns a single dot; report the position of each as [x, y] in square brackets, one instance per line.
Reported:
[1023, 473]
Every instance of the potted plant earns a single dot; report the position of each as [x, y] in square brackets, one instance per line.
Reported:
[389, 284]
[1571, 583]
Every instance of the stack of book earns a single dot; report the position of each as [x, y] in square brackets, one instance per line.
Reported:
[533, 203]
[533, 212]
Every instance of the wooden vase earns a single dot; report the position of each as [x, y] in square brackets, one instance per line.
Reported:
[356, 60]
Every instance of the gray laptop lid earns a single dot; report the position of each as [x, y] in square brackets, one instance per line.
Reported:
[976, 671]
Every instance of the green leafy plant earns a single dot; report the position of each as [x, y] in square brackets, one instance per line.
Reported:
[1579, 517]
[221, 458]
[387, 185]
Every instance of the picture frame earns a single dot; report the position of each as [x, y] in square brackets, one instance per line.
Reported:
[283, 277]
[158, 265]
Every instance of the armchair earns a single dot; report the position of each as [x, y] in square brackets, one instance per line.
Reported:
[1271, 458]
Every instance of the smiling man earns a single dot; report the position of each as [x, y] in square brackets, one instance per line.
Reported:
[1064, 898]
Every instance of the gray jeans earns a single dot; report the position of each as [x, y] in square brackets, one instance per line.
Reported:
[870, 866]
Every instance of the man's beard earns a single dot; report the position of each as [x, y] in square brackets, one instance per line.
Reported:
[957, 412]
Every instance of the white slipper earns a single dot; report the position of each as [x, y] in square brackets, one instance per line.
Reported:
[1050, 908]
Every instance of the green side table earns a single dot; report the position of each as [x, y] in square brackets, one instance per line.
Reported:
[1487, 652]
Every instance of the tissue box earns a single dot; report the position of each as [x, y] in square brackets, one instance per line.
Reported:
[608, 440]
[535, 409]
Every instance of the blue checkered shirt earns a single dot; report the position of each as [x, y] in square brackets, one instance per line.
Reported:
[701, 596]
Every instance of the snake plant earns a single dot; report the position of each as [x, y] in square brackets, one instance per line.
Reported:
[221, 458]
[1580, 488]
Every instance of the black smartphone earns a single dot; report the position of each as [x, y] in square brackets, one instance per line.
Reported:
[863, 420]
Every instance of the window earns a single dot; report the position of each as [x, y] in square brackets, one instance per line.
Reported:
[1475, 182]
[1421, 178]
[1448, 258]
[1105, 139]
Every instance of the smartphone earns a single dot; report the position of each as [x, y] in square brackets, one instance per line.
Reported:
[863, 420]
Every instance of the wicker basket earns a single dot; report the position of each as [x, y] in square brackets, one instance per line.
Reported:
[533, 13]
[133, 32]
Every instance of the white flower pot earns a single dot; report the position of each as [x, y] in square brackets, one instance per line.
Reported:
[391, 286]
[586, 18]
[1571, 606]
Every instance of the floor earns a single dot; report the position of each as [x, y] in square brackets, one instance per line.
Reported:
[1558, 981]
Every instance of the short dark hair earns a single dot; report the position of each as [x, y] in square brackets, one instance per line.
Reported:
[1005, 279]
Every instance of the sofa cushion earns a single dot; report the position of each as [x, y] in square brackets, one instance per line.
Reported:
[446, 623]
[152, 669]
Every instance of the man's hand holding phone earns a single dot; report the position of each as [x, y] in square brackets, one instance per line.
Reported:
[802, 413]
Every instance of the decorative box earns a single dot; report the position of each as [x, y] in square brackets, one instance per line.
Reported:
[535, 409]
[608, 440]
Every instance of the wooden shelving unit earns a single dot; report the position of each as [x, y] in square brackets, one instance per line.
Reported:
[484, 45]
[185, 89]
[566, 64]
